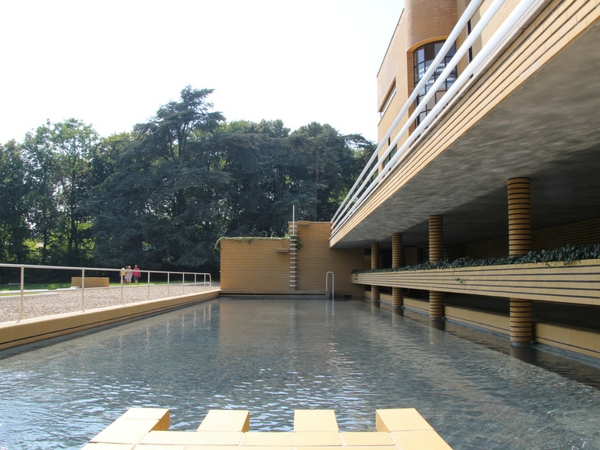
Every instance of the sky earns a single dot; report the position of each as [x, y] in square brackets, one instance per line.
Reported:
[113, 63]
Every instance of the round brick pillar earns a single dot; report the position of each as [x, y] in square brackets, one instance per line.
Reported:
[519, 243]
[436, 253]
[397, 300]
[519, 217]
[374, 265]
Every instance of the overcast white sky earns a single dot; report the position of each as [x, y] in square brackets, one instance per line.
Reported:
[113, 63]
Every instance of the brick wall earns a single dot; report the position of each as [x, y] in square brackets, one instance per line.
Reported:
[262, 266]
[255, 265]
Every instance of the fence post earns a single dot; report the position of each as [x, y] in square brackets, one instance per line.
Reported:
[168, 282]
[22, 292]
[148, 285]
[83, 289]
[183, 283]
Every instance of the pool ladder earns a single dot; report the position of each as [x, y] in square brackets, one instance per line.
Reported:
[293, 255]
[332, 284]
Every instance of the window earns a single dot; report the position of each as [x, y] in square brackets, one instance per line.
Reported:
[390, 156]
[388, 99]
[423, 57]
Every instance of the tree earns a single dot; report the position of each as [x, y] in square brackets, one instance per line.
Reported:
[13, 197]
[59, 172]
[256, 156]
[41, 176]
[75, 144]
[324, 162]
[163, 205]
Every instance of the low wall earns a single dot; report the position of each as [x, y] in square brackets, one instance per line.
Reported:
[577, 340]
[486, 320]
[33, 330]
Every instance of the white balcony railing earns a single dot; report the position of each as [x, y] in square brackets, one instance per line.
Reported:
[372, 175]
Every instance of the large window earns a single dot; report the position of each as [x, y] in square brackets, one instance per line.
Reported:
[423, 57]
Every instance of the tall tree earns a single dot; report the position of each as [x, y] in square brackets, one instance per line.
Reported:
[59, 172]
[75, 144]
[323, 162]
[13, 198]
[41, 175]
[165, 192]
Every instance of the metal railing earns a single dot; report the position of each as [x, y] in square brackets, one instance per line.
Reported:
[332, 284]
[98, 296]
[504, 35]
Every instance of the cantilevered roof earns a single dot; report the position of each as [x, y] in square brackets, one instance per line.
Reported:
[547, 128]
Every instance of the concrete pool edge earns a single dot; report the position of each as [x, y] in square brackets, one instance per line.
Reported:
[14, 334]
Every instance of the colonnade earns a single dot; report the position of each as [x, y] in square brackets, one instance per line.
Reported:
[519, 238]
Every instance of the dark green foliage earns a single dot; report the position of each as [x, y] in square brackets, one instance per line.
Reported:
[564, 255]
[162, 195]
[160, 207]
[13, 198]
[60, 172]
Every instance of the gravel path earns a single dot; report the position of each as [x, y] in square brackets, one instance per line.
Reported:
[44, 303]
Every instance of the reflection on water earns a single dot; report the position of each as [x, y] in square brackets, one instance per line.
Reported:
[274, 356]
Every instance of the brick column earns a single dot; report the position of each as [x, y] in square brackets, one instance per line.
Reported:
[436, 253]
[519, 243]
[374, 265]
[397, 300]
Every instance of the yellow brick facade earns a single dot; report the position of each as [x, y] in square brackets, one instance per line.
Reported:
[262, 266]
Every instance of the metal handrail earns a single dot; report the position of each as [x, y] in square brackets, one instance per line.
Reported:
[332, 284]
[362, 189]
[206, 278]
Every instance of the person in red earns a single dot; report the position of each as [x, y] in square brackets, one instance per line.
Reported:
[136, 273]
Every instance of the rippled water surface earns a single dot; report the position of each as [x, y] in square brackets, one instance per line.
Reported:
[274, 356]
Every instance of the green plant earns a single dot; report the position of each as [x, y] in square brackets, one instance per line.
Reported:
[297, 240]
[565, 255]
[247, 239]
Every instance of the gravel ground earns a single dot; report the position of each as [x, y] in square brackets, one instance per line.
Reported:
[44, 303]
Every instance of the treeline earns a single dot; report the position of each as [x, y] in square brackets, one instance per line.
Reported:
[161, 195]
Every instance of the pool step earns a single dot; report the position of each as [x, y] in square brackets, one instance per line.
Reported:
[147, 428]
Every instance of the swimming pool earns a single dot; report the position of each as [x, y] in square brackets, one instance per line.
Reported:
[274, 356]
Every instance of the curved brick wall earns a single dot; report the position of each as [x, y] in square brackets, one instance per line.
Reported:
[428, 20]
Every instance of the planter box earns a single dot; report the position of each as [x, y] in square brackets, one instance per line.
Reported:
[577, 282]
[90, 282]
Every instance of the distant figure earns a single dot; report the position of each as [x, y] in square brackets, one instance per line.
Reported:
[128, 273]
[123, 273]
[136, 273]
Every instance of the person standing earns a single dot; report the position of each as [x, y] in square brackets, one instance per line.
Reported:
[136, 273]
[128, 273]
[123, 272]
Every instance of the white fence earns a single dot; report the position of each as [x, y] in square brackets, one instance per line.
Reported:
[21, 303]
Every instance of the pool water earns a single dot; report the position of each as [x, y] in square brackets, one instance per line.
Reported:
[274, 356]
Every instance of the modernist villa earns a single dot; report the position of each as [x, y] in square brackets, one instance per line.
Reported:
[489, 147]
